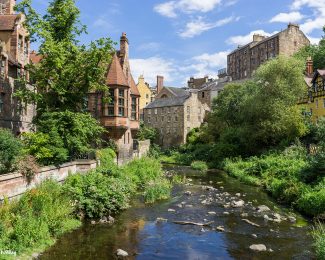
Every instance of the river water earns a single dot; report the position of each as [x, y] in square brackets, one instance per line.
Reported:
[137, 231]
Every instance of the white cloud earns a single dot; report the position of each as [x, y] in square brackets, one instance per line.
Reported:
[153, 66]
[170, 8]
[287, 17]
[313, 40]
[199, 26]
[166, 9]
[149, 46]
[245, 39]
[318, 20]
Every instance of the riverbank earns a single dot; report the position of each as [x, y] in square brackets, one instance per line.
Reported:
[43, 214]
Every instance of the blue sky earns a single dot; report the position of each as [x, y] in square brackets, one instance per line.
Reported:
[183, 38]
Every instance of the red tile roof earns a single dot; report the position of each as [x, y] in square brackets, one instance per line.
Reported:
[115, 75]
[8, 22]
[35, 58]
[134, 88]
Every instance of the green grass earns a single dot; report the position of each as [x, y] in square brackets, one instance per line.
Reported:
[319, 236]
[199, 166]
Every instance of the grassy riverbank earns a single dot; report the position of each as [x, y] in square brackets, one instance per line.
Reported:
[41, 215]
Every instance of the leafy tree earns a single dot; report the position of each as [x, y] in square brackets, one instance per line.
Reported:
[147, 133]
[68, 70]
[10, 149]
[261, 113]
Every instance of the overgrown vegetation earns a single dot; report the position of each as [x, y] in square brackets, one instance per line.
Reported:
[199, 165]
[319, 236]
[10, 150]
[37, 219]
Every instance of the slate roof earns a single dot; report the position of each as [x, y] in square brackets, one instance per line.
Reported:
[8, 22]
[179, 92]
[168, 102]
[115, 75]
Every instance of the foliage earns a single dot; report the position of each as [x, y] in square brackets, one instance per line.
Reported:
[63, 135]
[10, 149]
[319, 236]
[40, 216]
[157, 190]
[97, 194]
[47, 148]
[259, 114]
[199, 165]
[154, 151]
[106, 157]
[147, 133]
[68, 70]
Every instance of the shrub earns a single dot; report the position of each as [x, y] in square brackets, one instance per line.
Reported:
[312, 202]
[157, 190]
[47, 148]
[199, 165]
[28, 167]
[40, 216]
[97, 194]
[147, 133]
[319, 236]
[107, 157]
[10, 149]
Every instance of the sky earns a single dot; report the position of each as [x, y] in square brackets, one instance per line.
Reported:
[182, 38]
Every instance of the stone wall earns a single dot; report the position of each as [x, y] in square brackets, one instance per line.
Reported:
[14, 184]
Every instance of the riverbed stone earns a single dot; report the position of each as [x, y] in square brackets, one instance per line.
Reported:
[238, 194]
[292, 219]
[220, 229]
[111, 220]
[226, 213]
[238, 204]
[189, 206]
[212, 213]
[254, 235]
[188, 193]
[161, 220]
[262, 208]
[93, 222]
[179, 205]
[171, 210]
[258, 247]
[244, 215]
[121, 253]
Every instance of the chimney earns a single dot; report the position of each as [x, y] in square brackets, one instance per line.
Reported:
[7, 6]
[309, 67]
[258, 37]
[160, 83]
[124, 46]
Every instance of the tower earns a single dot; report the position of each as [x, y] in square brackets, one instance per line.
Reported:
[7, 6]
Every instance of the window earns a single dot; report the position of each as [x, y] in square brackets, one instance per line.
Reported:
[188, 118]
[168, 118]
[156, 118]
[188, 109]
[162, 118]
[199, 118]
[128, 138]
[200, 110]
[26, 47]
[149, 119]
[1, 102]
[134, 108]
[202, 94]
[149, 111]
[176, 118]
[147, 96]
[110, 110]
[20, 43]
[188, 130]
[3, 66]
[121, 102]
[156, 111]
[169, 109]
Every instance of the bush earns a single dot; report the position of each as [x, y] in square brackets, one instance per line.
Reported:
[199, 165]
[47, 148]
[319, 236]
[97, 194]
[147, 133]
[106, 157]
[312, 202]
[157, 190]
[28, 167]
[40, 216]
[10, 149]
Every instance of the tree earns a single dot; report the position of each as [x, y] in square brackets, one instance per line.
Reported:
[10, 149]
[261, 113]
[147, 133]
[68, 70]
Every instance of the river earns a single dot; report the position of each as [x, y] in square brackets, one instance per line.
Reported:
[138, 232]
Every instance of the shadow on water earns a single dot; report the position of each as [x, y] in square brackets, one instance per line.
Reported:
[137, 232]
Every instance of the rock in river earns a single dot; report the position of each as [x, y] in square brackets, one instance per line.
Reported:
[262, 208]
[238, 204]
[121, 252]
[188, 193]
[212, 213]
[171, 210]
[258, 248]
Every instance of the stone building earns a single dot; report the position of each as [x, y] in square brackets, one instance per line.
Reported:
[174, 113]
[196, 83]
[243, 61]
[14, 49]
[121, 115]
